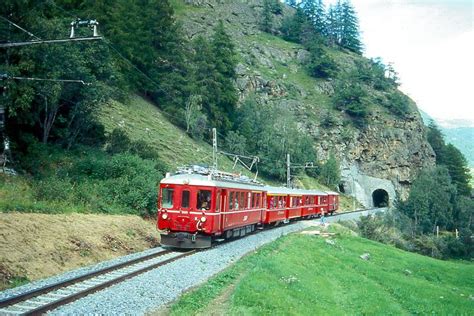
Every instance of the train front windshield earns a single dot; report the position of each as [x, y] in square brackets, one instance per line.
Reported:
[203, 200]
[167, 198]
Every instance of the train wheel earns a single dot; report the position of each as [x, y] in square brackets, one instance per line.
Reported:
[228, 234]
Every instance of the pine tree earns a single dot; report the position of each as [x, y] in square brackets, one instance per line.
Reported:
[225, 60]
[266, 18]
[309, 8]
[276, 7]
[333, 25]
[294, 26]
[350, 35]
[291, 3]
[314, 10]
[436, 139]
[330, 173]
[319, 20]
[458, 169]
[452, 158]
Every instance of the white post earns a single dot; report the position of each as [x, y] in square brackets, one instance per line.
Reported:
[457, 234]
[437, 231]
[288, 175]
[353, 194]
[214, 149]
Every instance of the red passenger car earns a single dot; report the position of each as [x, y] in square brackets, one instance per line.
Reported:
[333, 202]
[196, 205]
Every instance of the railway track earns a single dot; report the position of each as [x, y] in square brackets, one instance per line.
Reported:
[41, 300]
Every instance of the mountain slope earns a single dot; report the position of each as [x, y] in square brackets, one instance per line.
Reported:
[387, 154]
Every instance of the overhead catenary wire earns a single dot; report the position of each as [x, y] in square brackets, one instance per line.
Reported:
[50, 80]
[19, 27]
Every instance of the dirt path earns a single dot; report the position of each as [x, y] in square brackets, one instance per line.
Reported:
[35, 246]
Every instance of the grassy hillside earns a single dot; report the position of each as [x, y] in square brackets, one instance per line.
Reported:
[141, 120]
[64, 178]
[309, 275]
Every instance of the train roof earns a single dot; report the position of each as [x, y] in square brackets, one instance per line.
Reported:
[207, 180]
[284, 190]
[201, 176]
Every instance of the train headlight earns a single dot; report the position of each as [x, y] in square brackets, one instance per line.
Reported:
[203, 219]
[164, 216]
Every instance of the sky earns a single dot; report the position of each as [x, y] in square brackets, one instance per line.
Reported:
[431, 46]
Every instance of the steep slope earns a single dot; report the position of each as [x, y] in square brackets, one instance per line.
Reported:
[386, 155]
[142, 120]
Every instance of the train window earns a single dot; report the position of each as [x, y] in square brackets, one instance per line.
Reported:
[253, 200]
[185, 199]
[242, 200]
[203, 200]
[236, 201]
[231, 200]
[167, 198]
[258, 202]
[218, 201]
[306, 200]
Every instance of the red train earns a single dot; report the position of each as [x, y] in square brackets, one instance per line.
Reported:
[196, 206]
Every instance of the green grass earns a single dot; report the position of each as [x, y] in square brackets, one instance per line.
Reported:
[305, 275]
[17, 194]
[180, 8]
[141, 120]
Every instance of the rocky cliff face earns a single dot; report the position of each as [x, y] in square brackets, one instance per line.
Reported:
[386, 155]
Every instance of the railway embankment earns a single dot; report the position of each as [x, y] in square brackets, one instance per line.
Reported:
[34, 246]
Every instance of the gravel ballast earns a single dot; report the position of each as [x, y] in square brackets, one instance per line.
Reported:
[158, 287]
[74, 273]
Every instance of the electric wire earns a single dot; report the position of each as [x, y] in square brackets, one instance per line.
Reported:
[19, 27]
[50, 80]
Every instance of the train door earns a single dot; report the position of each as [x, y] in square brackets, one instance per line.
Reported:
[218, 208]
[224, 209]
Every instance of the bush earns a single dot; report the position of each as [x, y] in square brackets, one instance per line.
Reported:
[351, 98]
[118, 142]
[53, 189]
[125, 180]
[143, 150]
[90, 180]
[397, 103]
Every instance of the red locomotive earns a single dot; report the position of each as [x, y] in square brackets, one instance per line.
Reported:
[196, 205]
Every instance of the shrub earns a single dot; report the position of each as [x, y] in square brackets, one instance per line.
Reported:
[398, 103]
[118, 142]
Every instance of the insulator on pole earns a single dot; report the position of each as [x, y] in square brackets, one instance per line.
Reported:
[87, 23]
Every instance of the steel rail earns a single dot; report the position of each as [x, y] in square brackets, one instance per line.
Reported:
[68, 299]
[55, 286]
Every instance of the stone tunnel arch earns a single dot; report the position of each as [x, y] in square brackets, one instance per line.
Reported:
[380, 198]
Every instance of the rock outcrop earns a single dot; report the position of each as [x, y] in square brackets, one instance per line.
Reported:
[386, 155]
